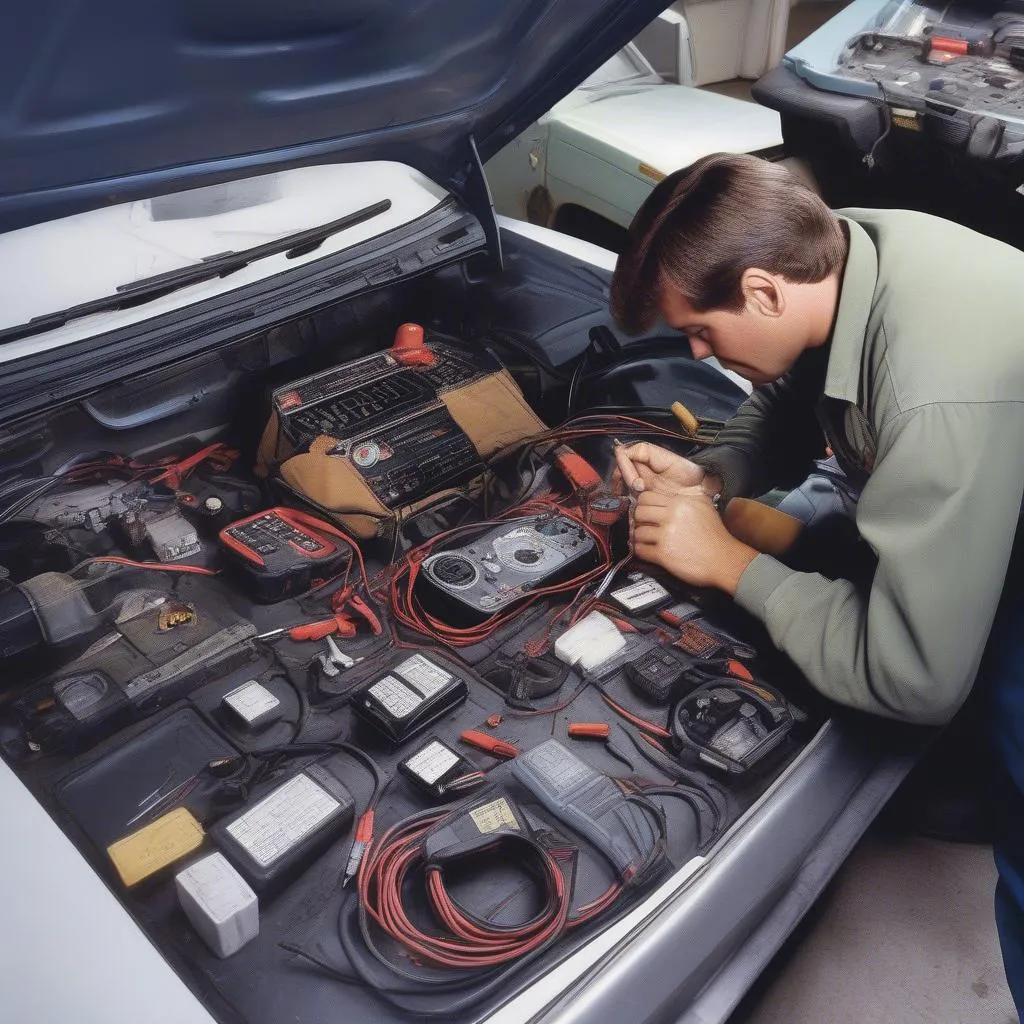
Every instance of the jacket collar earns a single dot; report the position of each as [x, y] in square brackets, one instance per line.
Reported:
[856, 294]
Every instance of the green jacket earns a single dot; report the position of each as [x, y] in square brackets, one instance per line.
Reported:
[922, 401]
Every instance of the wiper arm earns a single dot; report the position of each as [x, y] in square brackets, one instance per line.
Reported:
[221, 265]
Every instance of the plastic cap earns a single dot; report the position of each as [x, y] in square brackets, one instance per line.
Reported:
[408, 336]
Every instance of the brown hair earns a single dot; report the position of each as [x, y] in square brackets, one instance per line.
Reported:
[704, 225]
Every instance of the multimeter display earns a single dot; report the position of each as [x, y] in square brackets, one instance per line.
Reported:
[283, 552]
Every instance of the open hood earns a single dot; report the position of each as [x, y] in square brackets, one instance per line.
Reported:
[114, 100]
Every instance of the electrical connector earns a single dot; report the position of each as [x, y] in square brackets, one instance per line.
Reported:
[364, 835]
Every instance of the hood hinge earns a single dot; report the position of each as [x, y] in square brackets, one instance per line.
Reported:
[470, 185]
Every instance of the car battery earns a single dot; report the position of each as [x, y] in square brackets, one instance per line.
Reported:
[284, 828]
[409, 697]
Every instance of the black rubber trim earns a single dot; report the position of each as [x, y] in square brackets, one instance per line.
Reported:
[858, 122]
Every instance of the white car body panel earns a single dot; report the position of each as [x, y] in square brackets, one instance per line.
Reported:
[616, 148]
[606, 145]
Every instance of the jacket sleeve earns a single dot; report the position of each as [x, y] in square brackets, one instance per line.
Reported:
[770, 442]
[940, 510]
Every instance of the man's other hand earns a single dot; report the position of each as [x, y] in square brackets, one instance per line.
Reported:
[646, 467]
[684, 534]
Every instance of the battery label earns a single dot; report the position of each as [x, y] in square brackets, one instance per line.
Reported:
[399, 700]
[640, 595]
[251, 701]
[280, 821]
[494, 816]
[432, 762]
[427, 677]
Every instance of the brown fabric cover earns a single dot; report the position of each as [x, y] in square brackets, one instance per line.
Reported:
[492, 412]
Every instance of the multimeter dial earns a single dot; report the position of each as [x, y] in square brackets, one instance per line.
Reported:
[526, 553]
[503, 566]
[454, 571]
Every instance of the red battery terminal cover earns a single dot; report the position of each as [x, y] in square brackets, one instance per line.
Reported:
[410, 347]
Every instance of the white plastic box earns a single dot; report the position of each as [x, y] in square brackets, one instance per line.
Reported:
[219, 903]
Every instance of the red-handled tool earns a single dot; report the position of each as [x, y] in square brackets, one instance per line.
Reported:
[739, 670]
[339, 624]
[489, 744]
[580, 473]
[589, 730]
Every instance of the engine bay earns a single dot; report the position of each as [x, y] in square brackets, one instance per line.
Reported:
[363, 705]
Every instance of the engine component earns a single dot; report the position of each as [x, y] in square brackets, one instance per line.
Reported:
[288, 825]
[731, 724]
[435, 767]
[93, 506]
[591, 642]
[282, 552]
[413, 694]
[173, 537]
[138, 667]
[477, 580]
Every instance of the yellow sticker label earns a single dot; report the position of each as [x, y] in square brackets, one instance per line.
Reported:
[494, 816]
[910, 123]
[651, 172]
[176, 614]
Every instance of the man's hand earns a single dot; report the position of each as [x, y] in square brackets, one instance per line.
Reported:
[646, 467]
[684, 535]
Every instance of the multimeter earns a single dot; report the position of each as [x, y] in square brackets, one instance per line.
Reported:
[411, 696]
[283, 552]
[434, 766]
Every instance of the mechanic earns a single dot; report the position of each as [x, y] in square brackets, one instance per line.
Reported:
[897, 339]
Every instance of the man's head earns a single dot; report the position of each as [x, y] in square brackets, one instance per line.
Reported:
[740, 255]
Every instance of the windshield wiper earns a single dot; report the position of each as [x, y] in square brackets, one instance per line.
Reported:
[137, 292]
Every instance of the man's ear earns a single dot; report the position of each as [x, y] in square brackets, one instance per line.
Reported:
[762, 292]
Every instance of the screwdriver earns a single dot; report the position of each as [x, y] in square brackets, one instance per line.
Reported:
[489, 744]
[702, 430]
[340, 624]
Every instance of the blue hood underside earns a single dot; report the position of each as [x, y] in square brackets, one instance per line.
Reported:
[106, 101]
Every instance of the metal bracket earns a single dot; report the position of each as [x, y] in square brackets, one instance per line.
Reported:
[470, 185]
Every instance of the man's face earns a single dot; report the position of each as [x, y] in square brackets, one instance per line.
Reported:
[758, 341]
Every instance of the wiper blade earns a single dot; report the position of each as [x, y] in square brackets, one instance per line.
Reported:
[137, 292]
